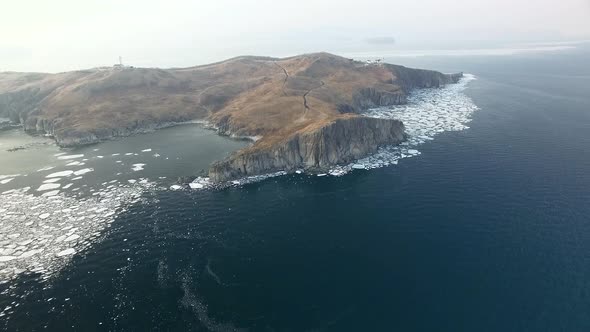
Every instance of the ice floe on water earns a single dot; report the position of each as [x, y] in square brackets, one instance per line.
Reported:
[48, 186]
[46, 168]
[50, 193]
[146, 150]
[428, 113]
[60, 174]
[83, 171]
[71, 156]
[137, 167]
[39, 234]
[196, 185]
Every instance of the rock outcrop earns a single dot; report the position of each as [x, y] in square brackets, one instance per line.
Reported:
[340, 141]
[410, 78]
[371, 97]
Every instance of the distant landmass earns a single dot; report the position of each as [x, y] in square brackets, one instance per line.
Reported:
[302, 111]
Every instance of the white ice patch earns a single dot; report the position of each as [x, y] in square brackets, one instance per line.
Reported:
[137, 167]
[52, 180]
[66, 252]
[44, 241]
[200, 183]
[146, 150]
[428, 113]
[60, 174]
[50, 193]
[71, 156]
[48, 186]
[83, 171]
[5, 181]
[175, 187]
[46, 168]
[8, 176]
[194, 185]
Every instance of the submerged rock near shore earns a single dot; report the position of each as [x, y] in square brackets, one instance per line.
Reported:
[304, 111]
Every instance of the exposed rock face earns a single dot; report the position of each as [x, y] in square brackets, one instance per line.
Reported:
[341, 141]
[15, 105]
[410, 78]
[67, 137]
[371, 97]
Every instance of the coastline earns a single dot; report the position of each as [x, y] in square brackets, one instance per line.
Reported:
[303, 112]
[429, 105]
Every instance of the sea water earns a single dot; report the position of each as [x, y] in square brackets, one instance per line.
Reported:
[485, 228]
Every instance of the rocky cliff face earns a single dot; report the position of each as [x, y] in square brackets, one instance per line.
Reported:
[69, 137]
[410, 78]
[341, 141]
[18, 104]
[371, 97]
[407, 78]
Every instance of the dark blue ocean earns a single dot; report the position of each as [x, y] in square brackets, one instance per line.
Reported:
[487, 230]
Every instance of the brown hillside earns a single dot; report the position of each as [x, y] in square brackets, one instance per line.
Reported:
[245, 96]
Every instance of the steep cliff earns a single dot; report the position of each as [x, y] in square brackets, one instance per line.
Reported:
[340, 141]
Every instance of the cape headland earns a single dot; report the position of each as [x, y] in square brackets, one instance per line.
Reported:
[302, 112]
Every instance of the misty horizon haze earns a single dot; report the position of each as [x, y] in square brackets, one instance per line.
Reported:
[67, 35]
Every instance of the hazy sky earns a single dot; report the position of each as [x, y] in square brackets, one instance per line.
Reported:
[58, 35]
